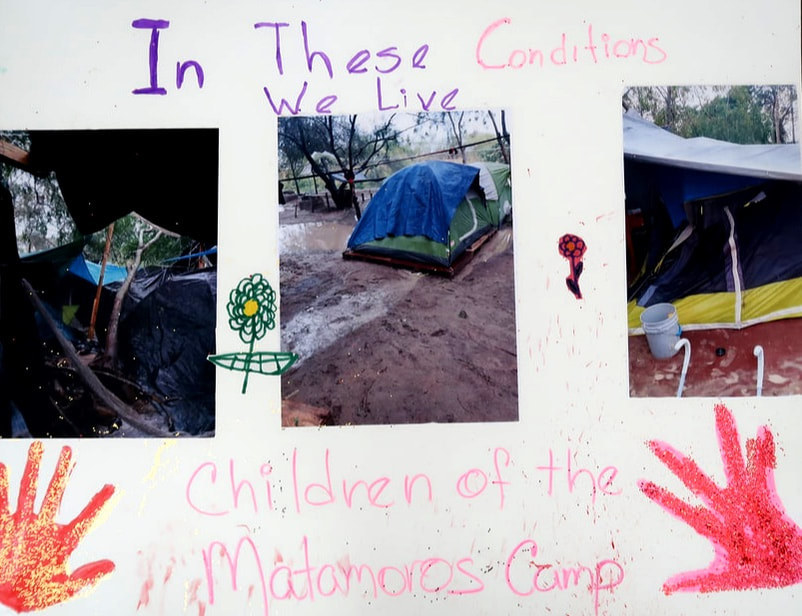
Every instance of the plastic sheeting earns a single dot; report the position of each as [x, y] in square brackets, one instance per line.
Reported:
[168, 176]
[165, 339]
[650, 143]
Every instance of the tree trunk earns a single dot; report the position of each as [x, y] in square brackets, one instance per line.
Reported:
[456, 130]
[110, 356]
[775, 115]
[499, 138]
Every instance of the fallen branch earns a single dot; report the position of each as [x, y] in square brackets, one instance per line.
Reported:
[90, 378]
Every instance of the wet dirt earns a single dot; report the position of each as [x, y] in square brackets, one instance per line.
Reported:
[380, 344]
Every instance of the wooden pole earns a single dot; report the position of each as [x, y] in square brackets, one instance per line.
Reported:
[96, 304]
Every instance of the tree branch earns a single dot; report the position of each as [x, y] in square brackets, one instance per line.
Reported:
[90, 379]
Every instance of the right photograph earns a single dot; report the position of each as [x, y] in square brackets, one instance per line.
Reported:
[713, 240]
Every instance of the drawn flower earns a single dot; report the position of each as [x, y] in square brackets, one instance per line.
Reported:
[251, 312]
[252, 308]
[573, 247]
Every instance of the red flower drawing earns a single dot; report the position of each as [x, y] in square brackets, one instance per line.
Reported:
[573, 247]
[34, 548]
[756, 544]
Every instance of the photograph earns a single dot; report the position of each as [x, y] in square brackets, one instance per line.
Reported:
[108, 282]
[713, 198]
[396, 268]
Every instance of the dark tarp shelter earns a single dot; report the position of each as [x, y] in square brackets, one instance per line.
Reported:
[67, 283]
[167, 176]
[723, 226]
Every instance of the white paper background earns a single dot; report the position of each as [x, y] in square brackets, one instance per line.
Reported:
[73, 65]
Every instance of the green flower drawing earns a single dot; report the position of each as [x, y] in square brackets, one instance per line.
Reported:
[251, 313]
[252, 308]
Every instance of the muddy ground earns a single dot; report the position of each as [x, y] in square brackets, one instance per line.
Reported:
[379, 344]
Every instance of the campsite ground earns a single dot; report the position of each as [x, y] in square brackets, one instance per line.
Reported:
[379, 344]
[732, 371]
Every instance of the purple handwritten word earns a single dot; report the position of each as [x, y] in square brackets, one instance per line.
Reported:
[155, 26]
[388, 59]
[565, 53]
[426, 101]
[363, 61]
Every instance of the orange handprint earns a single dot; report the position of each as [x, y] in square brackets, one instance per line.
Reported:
[34, 548]
[756, 544]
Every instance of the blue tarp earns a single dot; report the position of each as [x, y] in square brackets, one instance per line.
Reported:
[418, 200]
[194, 255]
[91, 271]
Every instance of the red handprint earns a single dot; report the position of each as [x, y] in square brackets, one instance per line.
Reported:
[756, 544]
[34, 548]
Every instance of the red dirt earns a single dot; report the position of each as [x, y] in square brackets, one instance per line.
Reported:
[732, 374]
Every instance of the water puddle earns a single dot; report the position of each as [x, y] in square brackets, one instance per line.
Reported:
[313, 237]
[334, 311]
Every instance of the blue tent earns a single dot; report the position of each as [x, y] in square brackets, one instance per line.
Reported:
[429, 213]
[418, 200]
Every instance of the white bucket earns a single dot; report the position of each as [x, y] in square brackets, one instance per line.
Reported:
[661, 325]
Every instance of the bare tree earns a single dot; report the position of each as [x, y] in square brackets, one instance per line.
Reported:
[147, 236]
[337, 138]
[501, 137]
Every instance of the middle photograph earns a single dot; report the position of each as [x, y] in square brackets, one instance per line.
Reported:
[396, 268]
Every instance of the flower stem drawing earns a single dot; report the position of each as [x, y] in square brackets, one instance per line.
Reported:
[756, 544]
[573, 247]
[251, 311]
[34, 548]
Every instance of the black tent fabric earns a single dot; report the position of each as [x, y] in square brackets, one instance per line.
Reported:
[165, 340]
[168, 176]
[766, 231]
[22, 361]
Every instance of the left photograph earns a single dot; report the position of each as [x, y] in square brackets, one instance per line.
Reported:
[108, 254]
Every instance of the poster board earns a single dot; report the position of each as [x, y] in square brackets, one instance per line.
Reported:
[550, 512]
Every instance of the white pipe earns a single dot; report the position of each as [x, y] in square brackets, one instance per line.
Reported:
[683, 342]
[759, 354]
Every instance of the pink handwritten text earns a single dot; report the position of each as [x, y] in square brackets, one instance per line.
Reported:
[603, 576]
[493, 52]
[311, 580]
[601, 482]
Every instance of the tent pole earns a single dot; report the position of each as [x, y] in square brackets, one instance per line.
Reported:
[96, 303]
